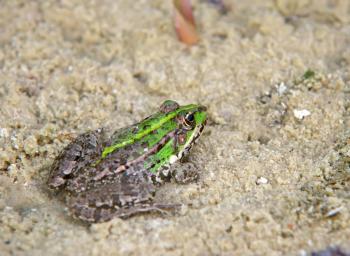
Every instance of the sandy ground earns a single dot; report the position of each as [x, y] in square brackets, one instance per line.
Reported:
[275, 155]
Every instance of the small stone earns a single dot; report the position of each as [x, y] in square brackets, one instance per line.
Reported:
[302, 253]
[14, 142]
[183, 210]
[334, 212]
[281, 88]
[4, 133]
[30, 145]
[12, 170]
[261, 181]
[300, 114]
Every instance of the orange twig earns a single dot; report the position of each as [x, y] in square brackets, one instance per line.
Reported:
[184, 22]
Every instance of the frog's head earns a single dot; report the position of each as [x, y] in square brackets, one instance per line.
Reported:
[190, 120]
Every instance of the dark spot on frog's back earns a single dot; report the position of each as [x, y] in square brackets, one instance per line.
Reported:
[115, 199]
[135, 129]
[146, 127]
[144, 145]
[114, 160]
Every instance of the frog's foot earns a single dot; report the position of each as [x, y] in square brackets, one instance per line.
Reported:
[184, 173]
[164, 209]
[103, 214]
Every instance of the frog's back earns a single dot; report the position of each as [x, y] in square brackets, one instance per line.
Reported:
[80, 153]
[106, 175]
[148, 146]
[96, 157]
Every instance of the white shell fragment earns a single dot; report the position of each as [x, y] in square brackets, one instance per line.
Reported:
[281, 88]
[334, 212]
[300, 114]
[261, 181]
[3, 133]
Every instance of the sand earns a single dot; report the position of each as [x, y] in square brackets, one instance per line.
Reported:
[274, 157]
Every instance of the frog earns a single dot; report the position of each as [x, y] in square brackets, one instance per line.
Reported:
[105, 174]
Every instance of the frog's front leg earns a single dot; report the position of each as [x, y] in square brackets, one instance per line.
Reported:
[184, 173]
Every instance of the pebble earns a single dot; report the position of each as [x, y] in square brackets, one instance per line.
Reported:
[261, 181]
[281, 88]
[4, 133]
[334, 212]
[300, 114]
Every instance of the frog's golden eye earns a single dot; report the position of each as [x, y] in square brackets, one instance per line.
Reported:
[189, 121]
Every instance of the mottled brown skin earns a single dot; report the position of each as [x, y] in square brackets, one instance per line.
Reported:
[94, 197]
[105, 175]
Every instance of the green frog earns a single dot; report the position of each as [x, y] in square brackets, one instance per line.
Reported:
[105, 174]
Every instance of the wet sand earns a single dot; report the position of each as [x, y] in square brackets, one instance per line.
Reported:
[274, 157]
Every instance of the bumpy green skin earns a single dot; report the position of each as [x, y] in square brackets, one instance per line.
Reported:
[153, 129]
[106, 176]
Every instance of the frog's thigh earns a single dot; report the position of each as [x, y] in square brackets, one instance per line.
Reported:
[77, 154]
[184, 173]
[114, 200]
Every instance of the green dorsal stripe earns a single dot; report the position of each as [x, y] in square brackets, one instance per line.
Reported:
[141, 134]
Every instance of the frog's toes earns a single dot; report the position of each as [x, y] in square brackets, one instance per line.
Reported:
[56, 182]
[163, 209]
[186, 173]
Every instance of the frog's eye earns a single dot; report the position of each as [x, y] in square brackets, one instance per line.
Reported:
[189, 121]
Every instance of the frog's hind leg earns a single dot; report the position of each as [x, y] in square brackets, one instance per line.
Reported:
[116, 199]
[147, 208]
[78, 154]
[103, 214]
